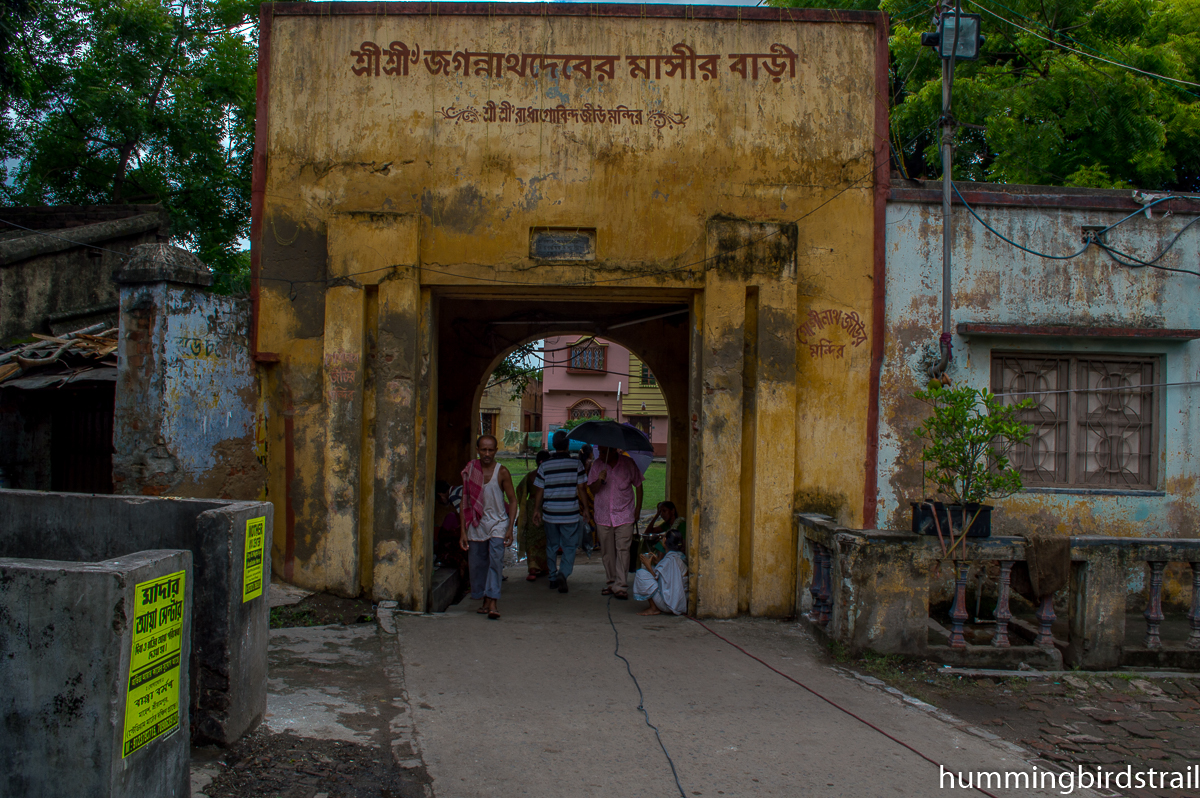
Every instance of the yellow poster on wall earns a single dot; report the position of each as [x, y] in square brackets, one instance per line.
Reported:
[252, 574]
[152, 699]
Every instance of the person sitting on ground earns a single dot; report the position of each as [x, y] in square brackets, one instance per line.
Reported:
[531, 532]
[662, 581]
[671, 522]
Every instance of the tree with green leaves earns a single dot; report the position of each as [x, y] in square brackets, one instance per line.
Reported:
[519, 367]
[134, 101]
[1098, 93]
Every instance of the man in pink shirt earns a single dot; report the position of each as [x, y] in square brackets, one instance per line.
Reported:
[616, 483]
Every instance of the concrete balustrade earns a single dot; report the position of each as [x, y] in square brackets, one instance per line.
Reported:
[869, 590]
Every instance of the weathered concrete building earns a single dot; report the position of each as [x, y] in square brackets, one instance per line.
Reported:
[436, 184]
[1108, 352]
[57, 264]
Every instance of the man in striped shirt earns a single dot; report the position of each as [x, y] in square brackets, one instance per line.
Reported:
[558, 493]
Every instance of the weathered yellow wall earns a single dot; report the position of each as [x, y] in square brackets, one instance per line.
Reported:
[398, 181]
[498, 398]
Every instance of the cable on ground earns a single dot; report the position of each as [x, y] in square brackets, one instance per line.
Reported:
[829, 701]
[641, 698]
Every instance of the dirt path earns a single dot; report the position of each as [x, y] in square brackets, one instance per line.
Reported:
[1075, 719]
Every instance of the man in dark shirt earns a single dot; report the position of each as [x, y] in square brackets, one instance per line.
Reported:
[558, 493]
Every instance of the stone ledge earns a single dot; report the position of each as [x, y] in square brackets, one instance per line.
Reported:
[158, 263]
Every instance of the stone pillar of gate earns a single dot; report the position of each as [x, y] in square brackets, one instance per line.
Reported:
[342, 374]
[376, 383]
[743, 422]
[717, 497]
[403, 380]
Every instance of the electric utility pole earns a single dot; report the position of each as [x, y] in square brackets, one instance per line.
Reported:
[957, 37]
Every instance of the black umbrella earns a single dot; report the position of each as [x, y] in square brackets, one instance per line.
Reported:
[612, 435]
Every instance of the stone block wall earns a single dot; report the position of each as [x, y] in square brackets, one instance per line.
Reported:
[187, 401]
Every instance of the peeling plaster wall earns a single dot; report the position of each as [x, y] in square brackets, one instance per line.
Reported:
[187, 399]
[994, 282]
[402, 187]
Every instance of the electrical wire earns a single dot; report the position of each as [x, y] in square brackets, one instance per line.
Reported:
[1138, 263]
[1093, 239]
[642, 698]
[829, 701]
[1113, 253]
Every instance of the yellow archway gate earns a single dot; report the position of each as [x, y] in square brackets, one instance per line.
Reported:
[413, 190]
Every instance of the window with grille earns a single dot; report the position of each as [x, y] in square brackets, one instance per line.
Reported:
[648, 376]
[588, 356]
[585, 408]
[487, 423]
[1094, 419]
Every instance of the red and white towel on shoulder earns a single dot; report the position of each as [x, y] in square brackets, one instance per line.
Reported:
[472, 505]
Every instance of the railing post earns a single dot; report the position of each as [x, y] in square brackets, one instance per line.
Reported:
[958, 610]
[1193, 641]
[1003, 613]
[814, 587]
[1154, 613]
[826, 594]
[1045, 618]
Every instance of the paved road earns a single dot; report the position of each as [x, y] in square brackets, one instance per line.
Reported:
[535, 704]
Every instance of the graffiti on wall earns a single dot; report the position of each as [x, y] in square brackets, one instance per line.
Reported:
[819, 320]
[208, 377]
[216, 340]
[342, 368]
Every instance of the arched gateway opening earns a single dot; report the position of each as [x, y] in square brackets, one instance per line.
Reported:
[475, 335]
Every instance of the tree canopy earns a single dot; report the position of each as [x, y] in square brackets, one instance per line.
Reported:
[1098, 93]
[134, 101]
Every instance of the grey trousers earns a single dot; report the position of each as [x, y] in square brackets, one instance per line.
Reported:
[485, 558]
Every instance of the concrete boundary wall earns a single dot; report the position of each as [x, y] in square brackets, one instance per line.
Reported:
[229, 644]
[67, 631]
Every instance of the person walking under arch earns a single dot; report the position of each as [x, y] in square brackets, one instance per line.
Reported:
[529, 526]
[558, 496]
[616, 482]
[488, 509]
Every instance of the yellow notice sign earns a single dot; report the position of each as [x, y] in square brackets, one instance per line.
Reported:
[252, 574]
[152, 701]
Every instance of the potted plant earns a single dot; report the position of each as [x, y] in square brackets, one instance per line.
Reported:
[967, 439]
